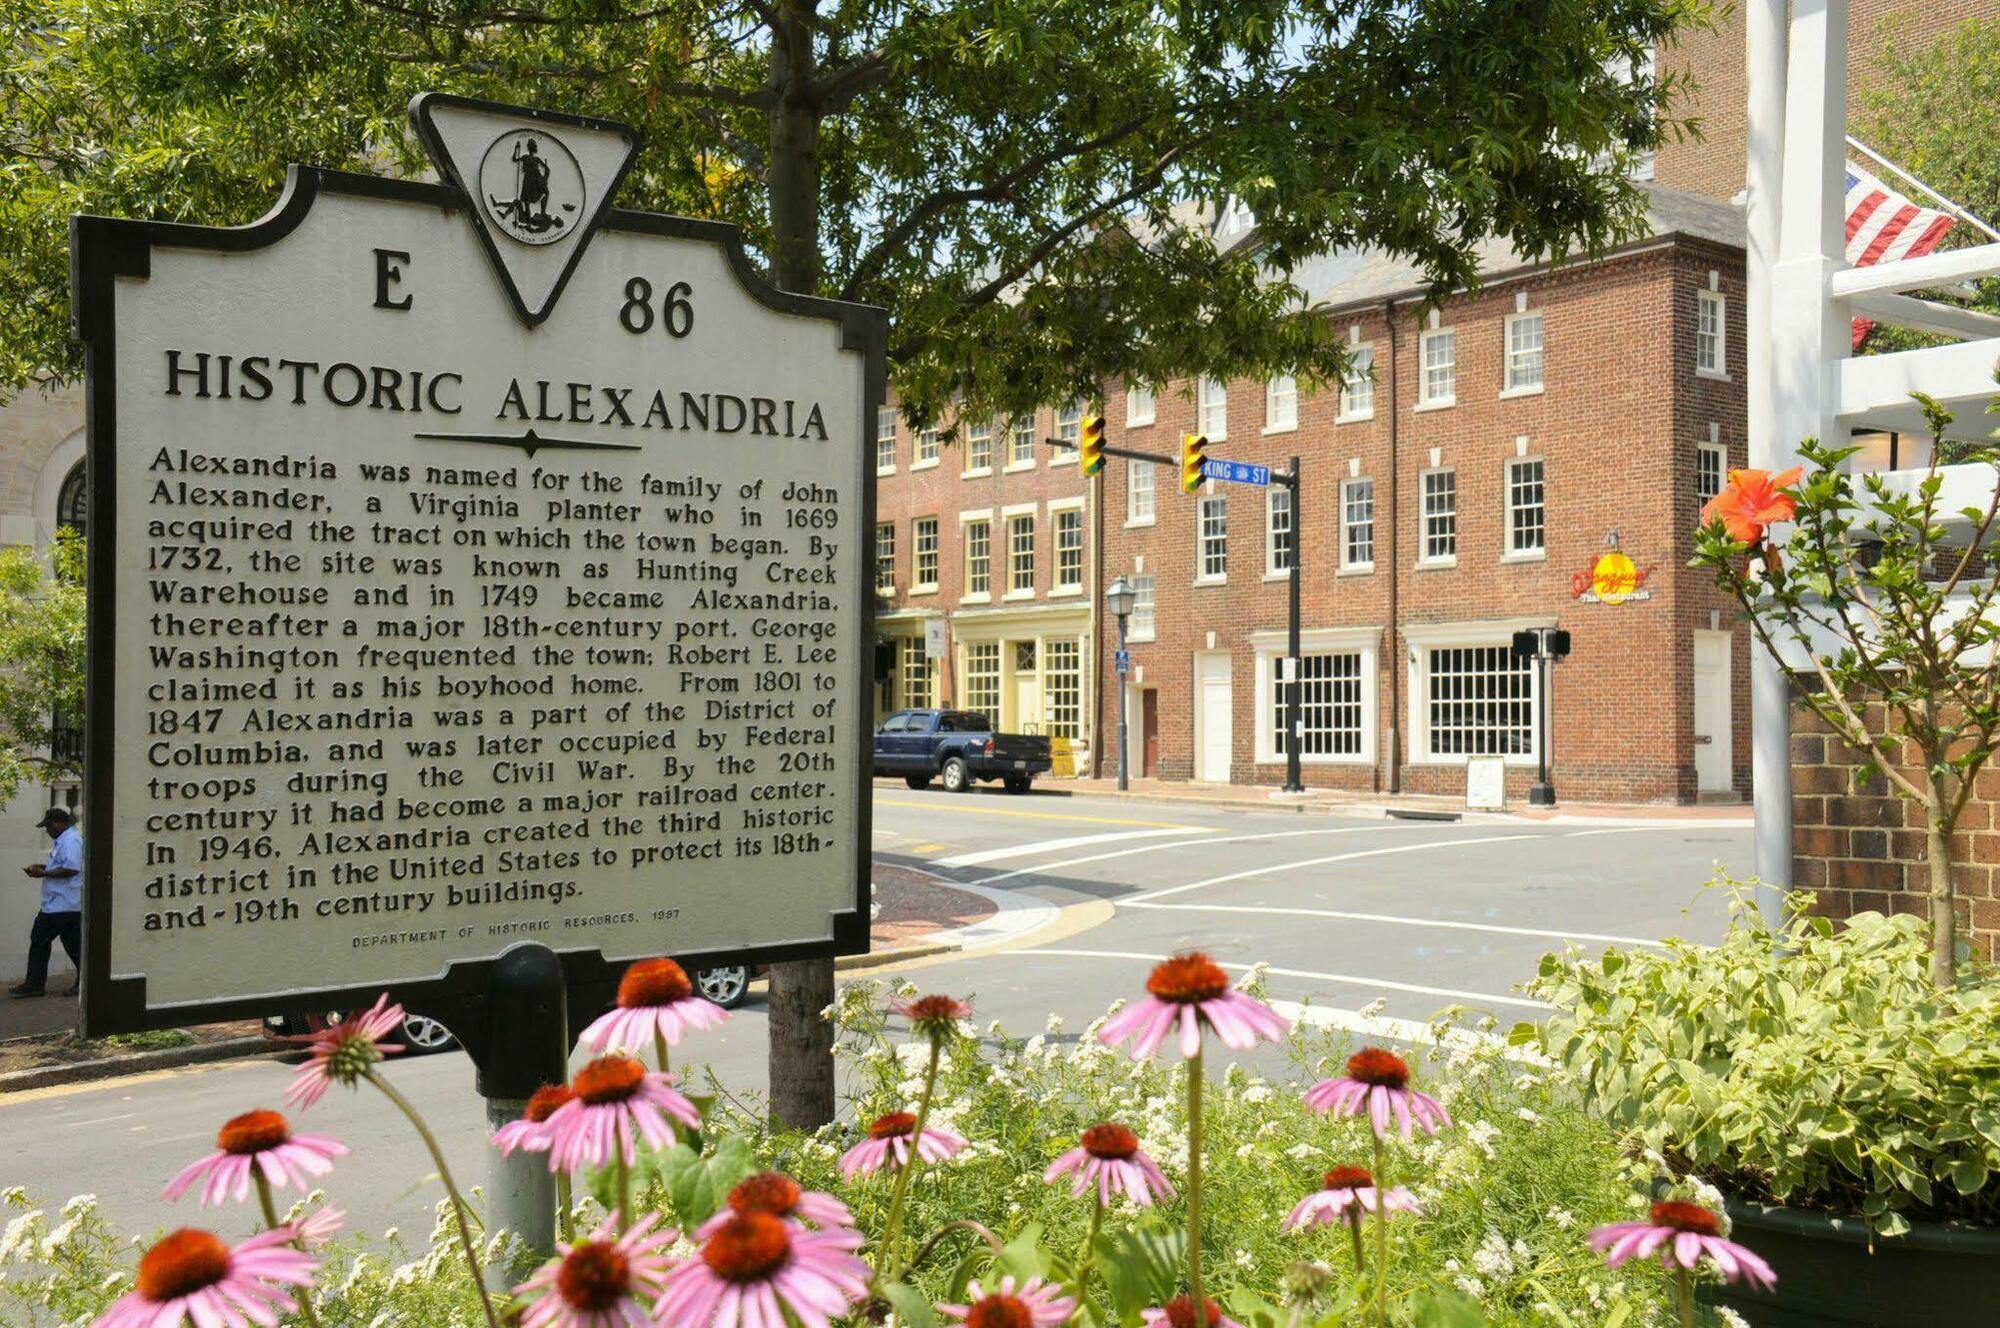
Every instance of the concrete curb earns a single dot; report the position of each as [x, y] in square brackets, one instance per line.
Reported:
[136, 1062]
[883, 958]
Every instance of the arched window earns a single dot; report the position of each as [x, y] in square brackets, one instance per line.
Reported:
[73, 500]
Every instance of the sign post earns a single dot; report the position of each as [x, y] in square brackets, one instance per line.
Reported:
[477, 599]
[1546, 646]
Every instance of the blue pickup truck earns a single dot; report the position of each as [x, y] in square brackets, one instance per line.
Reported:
[958, 747]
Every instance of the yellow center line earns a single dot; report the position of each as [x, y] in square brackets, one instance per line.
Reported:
[1036, 816]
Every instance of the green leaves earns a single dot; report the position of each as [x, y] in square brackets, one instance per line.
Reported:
[912, 1306]
[698, 1184]
[1141, 1267]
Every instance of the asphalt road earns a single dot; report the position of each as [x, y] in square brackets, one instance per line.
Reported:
[1344, 910]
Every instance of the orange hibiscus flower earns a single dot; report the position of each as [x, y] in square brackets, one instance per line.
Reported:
[1752, 500]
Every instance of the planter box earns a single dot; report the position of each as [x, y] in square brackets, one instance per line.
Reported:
[1932, 1277]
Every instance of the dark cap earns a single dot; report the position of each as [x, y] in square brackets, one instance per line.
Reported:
[53, 815]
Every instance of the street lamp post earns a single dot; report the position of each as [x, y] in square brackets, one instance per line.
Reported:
[1119, 597]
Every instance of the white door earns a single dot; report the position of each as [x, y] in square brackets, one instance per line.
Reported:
[1027, 688]
[1213, 711]
[1713, 756]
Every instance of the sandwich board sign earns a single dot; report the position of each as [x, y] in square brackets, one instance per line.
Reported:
[475, 565]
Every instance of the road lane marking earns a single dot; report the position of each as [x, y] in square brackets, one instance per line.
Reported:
[1400, 921]
[1185, 843]
[1320, 862]
[973, 809]
[1347, 979]
[1052, 845]
[1415, 1032]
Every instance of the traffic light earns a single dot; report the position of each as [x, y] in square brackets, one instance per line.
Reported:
[1194, 451]
[1090, 445]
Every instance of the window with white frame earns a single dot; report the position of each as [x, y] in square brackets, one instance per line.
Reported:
[978, 446]
[1527, 506]
[1281, 403]
[915, 676]
[1212, 538]
[1141, 626]
[1021, 554]
[1439, 356]
[1062, 687]
[1140, 406]
[1021, 442]
[982, 679]
[885, 438]
[1330, 704]
[929, 443]
[1357, 524]
[924, 553]
[1440, 516]
[1140, 482]
[1069, 428]
[1212, 409]
[1357, 385]
[1069, 548]
[885, 556]
[1711, 467]
[1711, 332]
[978, 537]
[1524, 352]
[1478, 701]
[1279, 537]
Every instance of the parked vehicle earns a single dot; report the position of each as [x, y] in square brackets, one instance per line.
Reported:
[958, 747]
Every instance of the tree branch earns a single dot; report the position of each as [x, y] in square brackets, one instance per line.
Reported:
[838, 89]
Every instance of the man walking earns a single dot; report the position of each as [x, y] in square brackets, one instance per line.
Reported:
[61, 918]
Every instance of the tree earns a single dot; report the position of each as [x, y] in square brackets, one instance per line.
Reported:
[41, 660]
[1011, 179]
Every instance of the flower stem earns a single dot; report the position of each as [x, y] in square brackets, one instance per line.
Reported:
[1684, 1293]
[1194, 1187]
[458, 1208]
[892, 1231]
[660, 1049]
[271, 1221]
[1088, 1255]
[564, 1203]
[1381, 1234]
[1354, 1231]
[993, 1242]
[624, 1192]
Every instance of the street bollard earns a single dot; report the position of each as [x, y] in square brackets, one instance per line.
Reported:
[526, 1045]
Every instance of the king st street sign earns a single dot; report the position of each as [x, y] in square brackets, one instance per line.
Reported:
[474, 564]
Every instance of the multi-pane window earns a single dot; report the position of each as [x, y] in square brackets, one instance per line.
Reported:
[1479, 701]
[1527, 506]
[1021, 442]
[1281, 402]
[885, 556]
[1139, 493]
[929, 443]
[1440, 368]
[982, 679]
[1357, 523]
[1141, 626]
[885, 438]
[1212, 408]
[1139, 406]
[1069, 427]
[979, 557]
[979, 446]
[1329, 705]
[1710, 332]
[1279, 538]
[1357, 385]
[1062, 687]
[914, 678]
[1212, 560]
[1524, 352]
[924, 553]
[1440, 515]
[1711, 463]
[1021, 553]
[1069, 548]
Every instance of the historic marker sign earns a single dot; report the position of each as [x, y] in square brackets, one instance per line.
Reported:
[473, 564]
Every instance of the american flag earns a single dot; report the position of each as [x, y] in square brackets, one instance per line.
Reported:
[1882, 227]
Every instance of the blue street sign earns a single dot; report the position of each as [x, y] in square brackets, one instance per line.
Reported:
[1236, 472]
[1122, 660]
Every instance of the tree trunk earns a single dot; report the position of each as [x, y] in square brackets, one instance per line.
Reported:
[1944, 916]
[801, 1041]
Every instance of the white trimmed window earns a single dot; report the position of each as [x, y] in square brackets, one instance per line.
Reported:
[1357, 385]
[914, 677]
[1279, 539]
[1711, 333]
[1062, 687]
[1527, 507]
[929, 443]
[1439, 357]
[1021, 554]
[978, 537]
[1069, 427]
[1140, 406]
[1357, 524]
[1142, 624]
[1330, 705]
[885, 440]
[1477, 700]
[979, 447]
[982, 679]
[1524, 352]
[1440, 516]
[1021, 442]
[1212, 409]
[1711, 468]
[1069, 548]
[885, 556]
[1212, 539]
[1140, 491]
[924, 553]
[1281, 404]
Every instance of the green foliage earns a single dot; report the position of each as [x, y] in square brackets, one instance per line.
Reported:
[1005, 176]
[41, 657]
[1815, 1066]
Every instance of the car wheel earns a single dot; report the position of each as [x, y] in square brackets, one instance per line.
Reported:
[957, 778]
[423, 1035]
[725, 986]
[917, 781]
[1017, 784]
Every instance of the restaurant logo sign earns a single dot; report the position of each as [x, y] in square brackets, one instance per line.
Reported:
[1612, 578]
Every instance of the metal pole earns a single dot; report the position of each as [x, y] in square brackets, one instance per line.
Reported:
[526, 1045]
[1124, 744]
[1294, 776]
[1543, 794]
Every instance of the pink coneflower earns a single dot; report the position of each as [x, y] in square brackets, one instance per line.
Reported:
[756, 1267]
[191, 1276]
[1683, 1233]
[1191, 990]
[1378, 1083]
[889, 1140]
[531, 1131]
[617, 1102]
[934, 1017]
[780, 1196]
[1346, 1193]
[1031, 1304]
[1110, 1156]
[596, 1283]
[345, 1051]
[319, 1228]
[655, 1001]
[257, 1142]
[1179, 1313]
